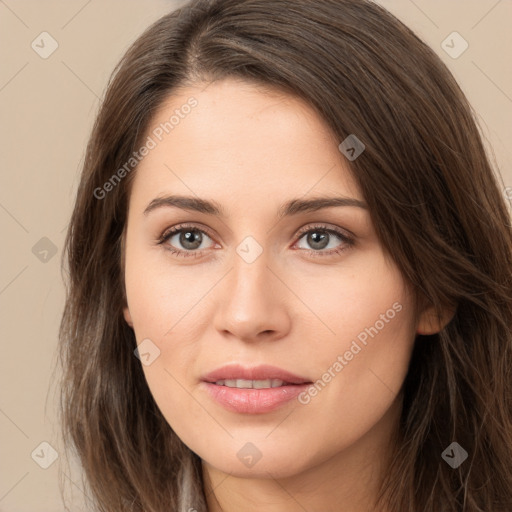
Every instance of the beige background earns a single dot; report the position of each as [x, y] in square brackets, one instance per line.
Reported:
[48, 107]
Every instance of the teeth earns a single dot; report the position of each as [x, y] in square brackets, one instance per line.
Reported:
[248, 384]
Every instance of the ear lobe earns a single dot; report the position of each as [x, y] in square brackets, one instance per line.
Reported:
[430, 323]
[127, 317]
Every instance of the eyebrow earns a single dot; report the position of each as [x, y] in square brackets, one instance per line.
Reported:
[292, 207]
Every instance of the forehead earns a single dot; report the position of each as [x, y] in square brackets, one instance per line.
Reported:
[232, 139]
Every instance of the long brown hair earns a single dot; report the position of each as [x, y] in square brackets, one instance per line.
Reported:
[434, 201]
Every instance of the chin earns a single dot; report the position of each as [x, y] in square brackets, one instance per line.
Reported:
[267, 460]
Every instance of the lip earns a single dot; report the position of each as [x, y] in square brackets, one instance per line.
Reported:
[253, 401]
[261, 372]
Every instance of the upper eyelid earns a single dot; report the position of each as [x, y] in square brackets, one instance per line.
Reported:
[181, 227]
[327, 227]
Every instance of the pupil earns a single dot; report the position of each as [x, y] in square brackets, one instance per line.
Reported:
[318, 239]
[190, 239]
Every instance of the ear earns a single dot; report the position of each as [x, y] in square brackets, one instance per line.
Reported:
[126, 310]
[430, 323]
[127, 316]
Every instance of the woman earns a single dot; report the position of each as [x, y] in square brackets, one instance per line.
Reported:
[289, 273]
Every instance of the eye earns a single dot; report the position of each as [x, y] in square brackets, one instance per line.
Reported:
[191, 241]
[185, 240]
[321, 237]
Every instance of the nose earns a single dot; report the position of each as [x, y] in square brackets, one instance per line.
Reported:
[252, 302]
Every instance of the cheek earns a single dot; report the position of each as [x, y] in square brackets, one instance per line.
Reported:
[161, 312]
[364, 300]
[164, 318]
[160, 297]
[363, 354]
[165, 305]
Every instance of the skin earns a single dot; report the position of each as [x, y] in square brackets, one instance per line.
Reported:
[251, 149]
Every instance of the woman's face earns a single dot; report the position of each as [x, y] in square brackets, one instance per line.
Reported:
[265, 280]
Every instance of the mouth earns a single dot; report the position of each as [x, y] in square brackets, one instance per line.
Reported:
[255, 390]
[236, 375]
[253, 384]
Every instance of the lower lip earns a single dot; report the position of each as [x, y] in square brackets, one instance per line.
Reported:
[254, 401]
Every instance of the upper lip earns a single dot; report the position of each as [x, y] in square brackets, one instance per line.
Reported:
[261, 372]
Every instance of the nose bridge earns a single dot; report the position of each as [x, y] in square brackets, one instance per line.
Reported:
[250, 282]
[251, 271]
[250, 301]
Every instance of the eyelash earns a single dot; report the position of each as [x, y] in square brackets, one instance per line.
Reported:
[349, 242]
